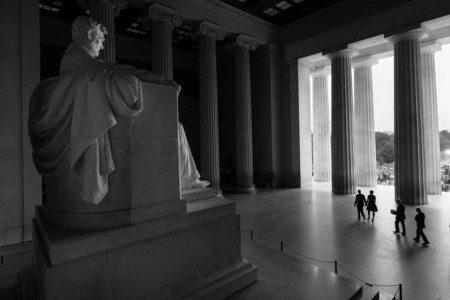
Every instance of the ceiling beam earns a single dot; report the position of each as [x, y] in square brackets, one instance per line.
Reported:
[260, 6]
[231, 19]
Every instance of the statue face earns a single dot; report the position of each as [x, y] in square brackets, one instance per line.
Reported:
[97, 43]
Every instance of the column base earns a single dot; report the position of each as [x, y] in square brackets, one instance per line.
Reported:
[347, 191]
[434, 189]
[241, 189]
[366, 185]
[194, 255]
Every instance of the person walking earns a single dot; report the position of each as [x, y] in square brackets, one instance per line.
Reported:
[399, 217]
[360, 202]
[420, 221]
[371, 205]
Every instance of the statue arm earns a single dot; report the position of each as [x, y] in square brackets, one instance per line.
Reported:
[143, 75]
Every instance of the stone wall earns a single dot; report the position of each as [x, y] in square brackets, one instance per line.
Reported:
[20, 185]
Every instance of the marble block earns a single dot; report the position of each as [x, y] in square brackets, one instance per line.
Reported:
[145, 184]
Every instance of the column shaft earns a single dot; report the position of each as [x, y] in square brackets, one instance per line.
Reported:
[209, 125]
[342, 147]
[321, 129]
[162, 47]
[244, 146]
[103, 12]
[431, 123]
[410, 171]
[164, 19]
[365, 149]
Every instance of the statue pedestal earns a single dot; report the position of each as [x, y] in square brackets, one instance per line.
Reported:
[194, 255]
[142, 241]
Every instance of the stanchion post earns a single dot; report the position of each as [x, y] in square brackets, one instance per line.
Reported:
[281, 246]
[335, 266]
[251, 235]
[400, 291]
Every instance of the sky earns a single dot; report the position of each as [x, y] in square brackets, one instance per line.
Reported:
[383, 89]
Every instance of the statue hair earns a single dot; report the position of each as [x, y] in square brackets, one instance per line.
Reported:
[85, 30]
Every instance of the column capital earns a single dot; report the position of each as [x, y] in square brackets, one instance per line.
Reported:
[418, 33]
[349, 52]
[367, 61]
[430, 47]
[162, 13]
[243, 40]
[208, 28]
[322, 71]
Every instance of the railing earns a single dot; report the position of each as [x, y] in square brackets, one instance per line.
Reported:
[283, 246]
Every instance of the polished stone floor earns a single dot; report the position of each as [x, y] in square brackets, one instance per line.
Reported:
[324, 226]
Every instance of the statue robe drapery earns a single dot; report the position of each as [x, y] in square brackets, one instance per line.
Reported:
[69, 128]
[188, 169]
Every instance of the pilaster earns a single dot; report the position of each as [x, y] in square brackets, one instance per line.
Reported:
[300, 124]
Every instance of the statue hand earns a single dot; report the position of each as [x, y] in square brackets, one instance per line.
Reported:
[151, 77]
[170, 82]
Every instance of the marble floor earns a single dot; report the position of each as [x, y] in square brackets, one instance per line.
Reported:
[324, 226]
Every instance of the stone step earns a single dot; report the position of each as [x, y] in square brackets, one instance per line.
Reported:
[319, 284]
[386, 296]
[27, 286]
[9, 293]
[198, 194]
[367, 293]
[15, 252]
[285, 276]
[372, 293]
[13, 258]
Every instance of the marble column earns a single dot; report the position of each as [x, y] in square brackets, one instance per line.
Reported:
[244, 145]
[208, 33]
[104, 12]
[431, 123]
[321, 125]
[365, 149]
[342, 127]
[164, 19]
[409, 140]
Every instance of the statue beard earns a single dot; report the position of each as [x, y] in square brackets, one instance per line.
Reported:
[94, 49]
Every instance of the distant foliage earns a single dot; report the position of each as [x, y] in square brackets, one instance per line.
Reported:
[385, 147]
[444, 140]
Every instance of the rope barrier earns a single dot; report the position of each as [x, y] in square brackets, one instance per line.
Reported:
[313, 259]
[335, 262]
[266, 239]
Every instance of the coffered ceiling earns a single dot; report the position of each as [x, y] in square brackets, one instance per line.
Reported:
[281, 12]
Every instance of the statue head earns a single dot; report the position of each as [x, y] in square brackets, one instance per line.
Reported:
[88, 33]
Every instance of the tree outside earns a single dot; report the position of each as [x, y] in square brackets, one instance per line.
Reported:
[386, 164]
